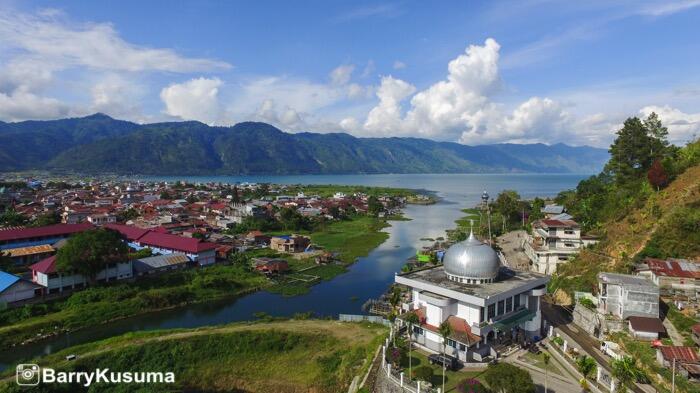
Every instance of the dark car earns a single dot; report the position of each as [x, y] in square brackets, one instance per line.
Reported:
[447, 361]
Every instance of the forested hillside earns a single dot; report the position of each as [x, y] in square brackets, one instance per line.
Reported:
[646, 203]
[99, 144]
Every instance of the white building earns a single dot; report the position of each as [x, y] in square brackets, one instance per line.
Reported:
[44, 273]
[624, 296]
[488, 306]
[553, 242]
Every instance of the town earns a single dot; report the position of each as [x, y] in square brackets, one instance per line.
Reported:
[167, 227]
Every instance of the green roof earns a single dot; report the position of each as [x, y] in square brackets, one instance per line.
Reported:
[515, 319]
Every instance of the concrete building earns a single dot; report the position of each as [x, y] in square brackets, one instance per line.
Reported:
[44, 273]
[623, 296]
[553, 242]
[290, 244]
[487, 305]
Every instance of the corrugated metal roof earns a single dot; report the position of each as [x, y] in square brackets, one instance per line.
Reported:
[31, 250]
[684, 354]
[7, 280]
[159, 261]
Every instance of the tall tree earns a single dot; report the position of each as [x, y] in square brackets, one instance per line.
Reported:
[411, 320]
[659, 134]
[625, 371]
[374, 206]
[88, 253]
[445, 331]
[631, 152]
[657, 175]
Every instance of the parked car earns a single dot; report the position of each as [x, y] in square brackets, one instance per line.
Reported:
[449, 362]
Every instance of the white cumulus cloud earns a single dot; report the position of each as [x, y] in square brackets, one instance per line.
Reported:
[196, 99]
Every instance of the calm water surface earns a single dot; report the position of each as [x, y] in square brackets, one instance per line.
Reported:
[368, 278]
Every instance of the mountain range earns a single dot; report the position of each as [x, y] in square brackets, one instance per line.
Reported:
[101, 144]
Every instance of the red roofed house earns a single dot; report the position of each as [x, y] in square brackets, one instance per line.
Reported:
[553, 242]
[45, 274]
[50, 234]
[666, 355]
[204, 253]
[674, 276]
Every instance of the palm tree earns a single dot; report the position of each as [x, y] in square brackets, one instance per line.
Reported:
[545, 358]
[411, 320]
[445, 330]
[625, 371]
[586, 365]
[392, 319]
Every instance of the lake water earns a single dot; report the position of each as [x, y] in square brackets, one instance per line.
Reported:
[368, 278]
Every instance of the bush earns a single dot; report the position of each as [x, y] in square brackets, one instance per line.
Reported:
[471, 385]
[423, 373]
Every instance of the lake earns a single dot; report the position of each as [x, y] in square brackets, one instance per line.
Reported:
[368, 278]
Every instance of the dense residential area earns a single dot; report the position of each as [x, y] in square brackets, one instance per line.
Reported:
[58, 239]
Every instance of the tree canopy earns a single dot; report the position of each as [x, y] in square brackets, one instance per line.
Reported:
[87, 253]
[506, 378]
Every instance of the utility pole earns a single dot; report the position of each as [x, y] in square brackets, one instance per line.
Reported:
[673, 377]
[488, 213]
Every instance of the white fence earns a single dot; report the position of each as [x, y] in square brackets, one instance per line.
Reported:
[363, 318]
[401, 381]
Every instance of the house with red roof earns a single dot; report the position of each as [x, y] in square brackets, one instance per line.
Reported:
[199, 251]
[50, 234]
[668, 355]
[52, 280]
[553, 242]
[673, 276]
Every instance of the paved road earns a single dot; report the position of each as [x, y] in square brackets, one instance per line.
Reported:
[555, 383]
[561, 319]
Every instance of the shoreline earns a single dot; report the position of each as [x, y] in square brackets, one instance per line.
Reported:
[269, 286]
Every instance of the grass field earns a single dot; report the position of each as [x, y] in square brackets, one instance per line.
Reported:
[279, 356]
[350, 239]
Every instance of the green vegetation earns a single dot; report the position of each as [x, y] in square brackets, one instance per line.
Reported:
[100, 304]
[682, 323]
[98, 143]
[642, 365]
[280, 356]
[645, 203]
[507, 378]
[452, 378]
[88, 253]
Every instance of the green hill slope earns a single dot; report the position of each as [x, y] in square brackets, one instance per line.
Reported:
[279, 357]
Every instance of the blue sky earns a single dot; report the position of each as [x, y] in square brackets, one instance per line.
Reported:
[465, 71]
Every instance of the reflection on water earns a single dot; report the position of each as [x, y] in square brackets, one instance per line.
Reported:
[368, 278]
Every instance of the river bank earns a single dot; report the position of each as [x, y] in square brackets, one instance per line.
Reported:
[366, 279]
[324, 356]
[349, 239]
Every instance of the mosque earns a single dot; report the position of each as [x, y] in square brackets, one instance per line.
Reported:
[487, 305]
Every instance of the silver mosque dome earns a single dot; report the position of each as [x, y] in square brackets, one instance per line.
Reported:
[471, 261]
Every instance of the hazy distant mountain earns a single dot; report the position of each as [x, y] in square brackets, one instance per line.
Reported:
[99, 143]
